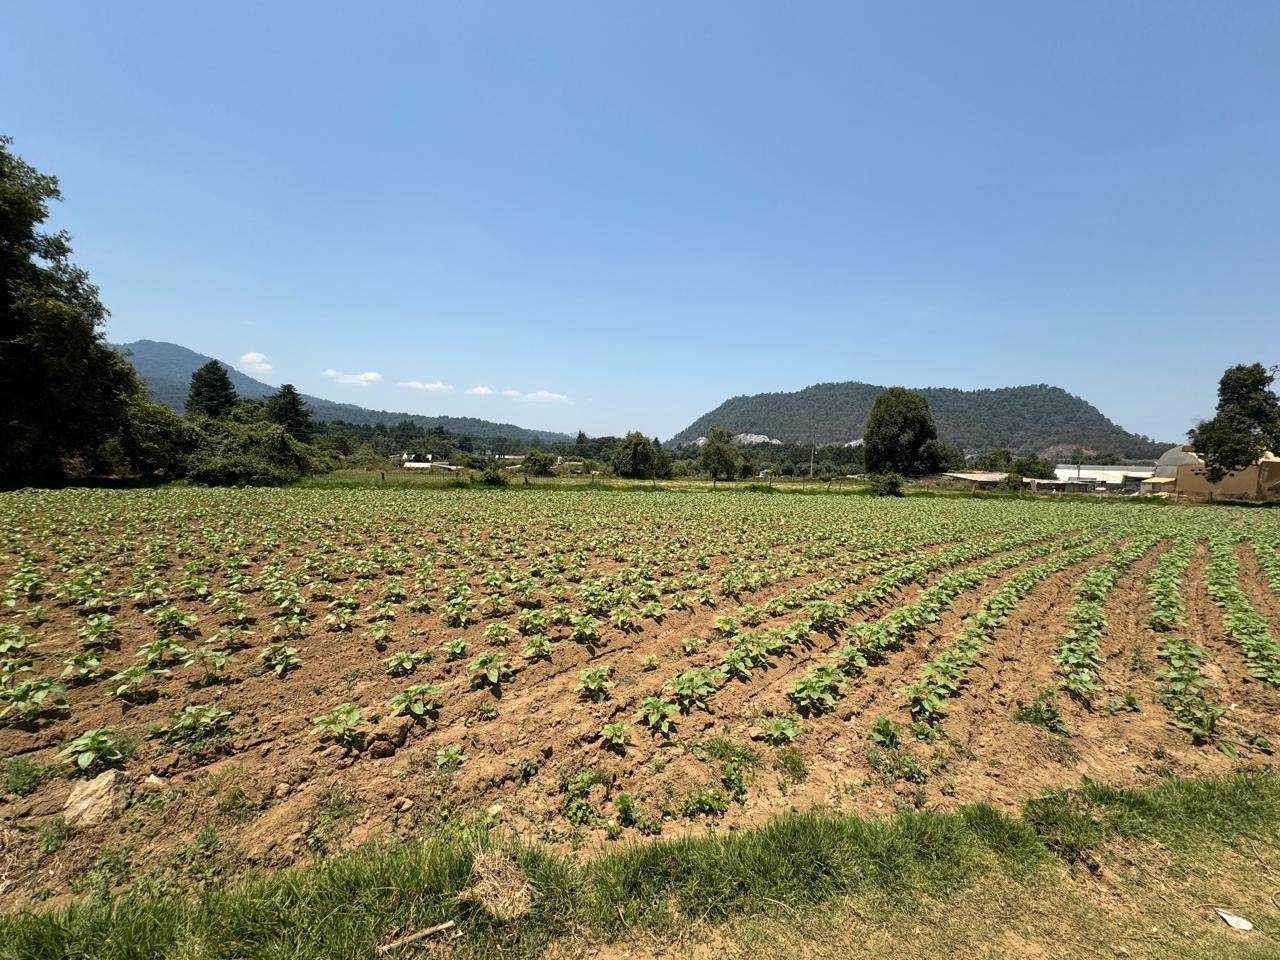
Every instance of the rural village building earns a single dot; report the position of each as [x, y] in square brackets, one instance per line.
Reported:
[1180, 471]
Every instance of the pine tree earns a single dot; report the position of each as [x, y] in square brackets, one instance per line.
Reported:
[286, 408]
[212, 394]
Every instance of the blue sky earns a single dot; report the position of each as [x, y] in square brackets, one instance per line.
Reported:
[614, 216]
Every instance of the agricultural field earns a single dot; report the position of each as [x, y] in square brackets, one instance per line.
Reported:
[281, 675]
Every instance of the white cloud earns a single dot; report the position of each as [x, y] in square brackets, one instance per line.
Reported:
[512, 393]
[480, 391]
[353, 379]
[546, 396]
[255, 362]
[437, 387]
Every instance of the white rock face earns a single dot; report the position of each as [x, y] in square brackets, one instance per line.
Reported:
[96, 800]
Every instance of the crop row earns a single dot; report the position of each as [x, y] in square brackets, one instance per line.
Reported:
[1240, 621]
[943, 676]
[1077, 650]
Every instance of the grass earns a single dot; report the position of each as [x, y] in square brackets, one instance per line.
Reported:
[804, 864]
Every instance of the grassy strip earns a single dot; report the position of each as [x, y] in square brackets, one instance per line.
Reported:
[345, 906]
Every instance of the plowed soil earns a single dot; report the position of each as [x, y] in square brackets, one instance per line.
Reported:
[275, 793]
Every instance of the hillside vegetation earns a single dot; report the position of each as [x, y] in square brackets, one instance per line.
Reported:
[166, 369]
[1040, 418]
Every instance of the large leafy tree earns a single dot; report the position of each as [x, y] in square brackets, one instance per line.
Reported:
[718, 458]
[212, 394]
[1246, 424]
[286, 408]
[62, 389]
[634, 456]
[900, 436]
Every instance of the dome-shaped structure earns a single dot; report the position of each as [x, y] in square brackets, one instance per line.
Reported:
[1171, 459]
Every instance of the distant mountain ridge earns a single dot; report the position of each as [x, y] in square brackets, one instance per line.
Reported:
[1042, 419]
[166, 369]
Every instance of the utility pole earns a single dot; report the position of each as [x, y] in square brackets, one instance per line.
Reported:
[813, 449]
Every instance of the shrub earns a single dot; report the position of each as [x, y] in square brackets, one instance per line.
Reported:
[886, 484]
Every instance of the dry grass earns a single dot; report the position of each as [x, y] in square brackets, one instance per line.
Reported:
[498, 885]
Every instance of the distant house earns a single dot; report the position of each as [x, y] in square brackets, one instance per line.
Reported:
[1126, 479]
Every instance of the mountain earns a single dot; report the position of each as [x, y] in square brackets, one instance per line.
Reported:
[166, 369]
[1041, 419]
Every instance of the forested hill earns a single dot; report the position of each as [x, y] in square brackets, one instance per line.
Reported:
[1040, 419]
[167, 367]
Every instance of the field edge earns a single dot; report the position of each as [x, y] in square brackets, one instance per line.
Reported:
[685, 891]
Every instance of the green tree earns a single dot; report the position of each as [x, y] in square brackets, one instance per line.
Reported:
[1001, 458]
[1033, 467]
[943, 456]
[259, 453]
[286, 408]
[900, 436]
[212, 394]
[633, 457]
[718, 457]
[538, 463]
[1246, 424]
[62, 389]
[661, 462]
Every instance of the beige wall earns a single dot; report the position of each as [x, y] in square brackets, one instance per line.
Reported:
[1251, 483]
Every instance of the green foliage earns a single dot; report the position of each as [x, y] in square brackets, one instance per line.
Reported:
[900, 434]
[260, 454]
[29, 699]
[718, 458]
[594, 683]
[636, 457]
[96, 749]
[538, 463]
[196, 727]
[1041, 712]
[693, 687]
[286, 408]
[790, 762]
[417, 701]
[450, 757]
[797, 861]
[884, 733]
[616, 736]
[64, 394]
[782, 728]
[340, 724]
[816, 691]
[1029, 418]
[1246, 424]
[279, 658]
[212, 394]
[23, 776]
[886, 484]
[405, 662]
[657, 714]
[1243, 625]
[490, 669]
[706, 802]
[493, 475]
